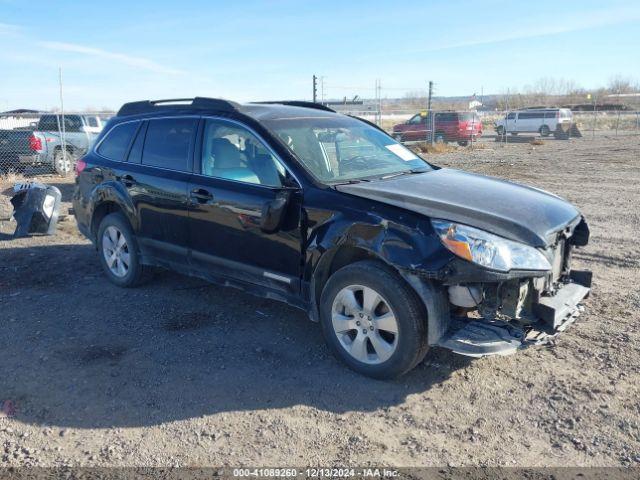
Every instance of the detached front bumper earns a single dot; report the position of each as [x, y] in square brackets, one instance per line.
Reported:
[554, 314]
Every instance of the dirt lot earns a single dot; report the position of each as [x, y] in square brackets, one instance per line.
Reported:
[179, 372]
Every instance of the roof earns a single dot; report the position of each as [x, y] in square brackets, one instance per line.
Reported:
[257, 110]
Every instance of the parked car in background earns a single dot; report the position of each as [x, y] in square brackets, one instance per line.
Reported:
[295, 202]
[460, 127]
[17, 146]
[544, 121]
[48, 148]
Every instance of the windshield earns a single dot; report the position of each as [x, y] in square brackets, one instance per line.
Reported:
[337, 149]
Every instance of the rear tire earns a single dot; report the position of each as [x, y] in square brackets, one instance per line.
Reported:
[500, 130]
[360, 307]
[118, 252]
[63, 161]
[463, 143]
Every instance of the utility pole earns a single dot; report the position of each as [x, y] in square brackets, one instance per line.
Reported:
[62, 126]
[315, 89]
[430, 94]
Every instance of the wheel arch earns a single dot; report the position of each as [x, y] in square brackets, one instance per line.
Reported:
[108, 199]
[396, 247]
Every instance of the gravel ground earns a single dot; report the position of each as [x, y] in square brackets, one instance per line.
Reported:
[179, 372]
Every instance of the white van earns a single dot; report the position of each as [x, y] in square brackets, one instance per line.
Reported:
[539, 120]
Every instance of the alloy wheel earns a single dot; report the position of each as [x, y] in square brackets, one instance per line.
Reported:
[364, 324]
[116, 251]
[62, 162]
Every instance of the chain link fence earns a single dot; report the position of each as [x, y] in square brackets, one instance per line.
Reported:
[465, 127]
[36, 143]
[46, 142]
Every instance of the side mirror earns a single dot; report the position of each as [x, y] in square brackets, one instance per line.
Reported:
[273, 212]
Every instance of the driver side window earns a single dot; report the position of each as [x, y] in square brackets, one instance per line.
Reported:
[416, 120]
[232, 152]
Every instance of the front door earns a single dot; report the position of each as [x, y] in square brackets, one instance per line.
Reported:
[512, 125]
[416, 128]
[235, 175]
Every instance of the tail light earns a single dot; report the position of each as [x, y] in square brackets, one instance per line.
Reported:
[35, 143]
[80, 166]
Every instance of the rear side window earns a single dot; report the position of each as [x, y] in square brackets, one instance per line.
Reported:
[168, 143]
[531, 115]
[447, 117]
[469, 117]
[48, 123]
[72, 123]
[117, 141]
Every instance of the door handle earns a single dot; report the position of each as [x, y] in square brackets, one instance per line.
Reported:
[201, 195]
[128, 180]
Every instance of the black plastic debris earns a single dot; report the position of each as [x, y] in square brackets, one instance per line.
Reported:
[36, 207]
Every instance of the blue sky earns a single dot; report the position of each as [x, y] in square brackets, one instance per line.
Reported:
[116, 51]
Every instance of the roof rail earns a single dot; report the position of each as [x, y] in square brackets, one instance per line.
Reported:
[298, 103]
[202, 103]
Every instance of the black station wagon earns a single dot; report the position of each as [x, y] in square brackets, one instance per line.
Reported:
[295, 202]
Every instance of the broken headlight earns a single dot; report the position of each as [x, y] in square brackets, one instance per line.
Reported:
[488, 250]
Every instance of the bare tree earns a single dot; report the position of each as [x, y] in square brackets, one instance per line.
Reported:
[619, 85]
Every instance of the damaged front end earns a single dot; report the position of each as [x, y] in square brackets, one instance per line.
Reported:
[498, 313]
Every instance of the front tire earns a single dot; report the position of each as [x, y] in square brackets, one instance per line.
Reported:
[118, 252]
[373, 321]
[544, 131]
[463, 143]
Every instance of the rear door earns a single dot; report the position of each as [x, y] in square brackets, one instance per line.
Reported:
[530, 121]
[235, 175]
[157, 177]
[75, 135]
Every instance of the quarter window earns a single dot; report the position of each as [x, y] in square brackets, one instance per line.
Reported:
[117, 141]
[233, 152]
[168, 142]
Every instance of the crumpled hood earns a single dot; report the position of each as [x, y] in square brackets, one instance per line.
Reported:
[513, 211]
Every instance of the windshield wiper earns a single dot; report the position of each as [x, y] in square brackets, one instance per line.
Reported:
[405, 172]
[352, 181]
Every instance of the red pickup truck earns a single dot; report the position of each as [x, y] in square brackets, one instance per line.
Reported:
[460, 127]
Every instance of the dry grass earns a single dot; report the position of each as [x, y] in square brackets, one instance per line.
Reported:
[536, 141]
[425, 147]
